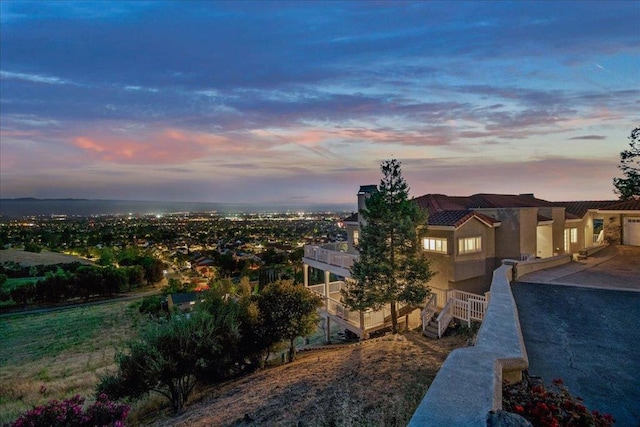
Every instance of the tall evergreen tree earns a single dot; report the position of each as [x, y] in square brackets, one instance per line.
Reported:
[628, 188]
[392, 268]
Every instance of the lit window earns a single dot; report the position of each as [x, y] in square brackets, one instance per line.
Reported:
[469, 245]
[574, 235]
[356, 237]
[435, 244]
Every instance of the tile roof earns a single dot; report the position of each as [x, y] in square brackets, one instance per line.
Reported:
[628, 205]
[580, 208]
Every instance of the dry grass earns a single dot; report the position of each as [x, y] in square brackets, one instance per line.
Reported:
[64, 351]
[43, 258]
[377, 383]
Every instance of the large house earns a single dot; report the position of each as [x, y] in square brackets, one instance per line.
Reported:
[467, 237]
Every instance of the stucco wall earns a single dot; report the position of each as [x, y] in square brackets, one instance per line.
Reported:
[350, 229]
[528, 230]
[507, 241]
[524, 267]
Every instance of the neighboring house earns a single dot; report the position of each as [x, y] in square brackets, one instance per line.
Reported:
[183, 302]
[467, 237]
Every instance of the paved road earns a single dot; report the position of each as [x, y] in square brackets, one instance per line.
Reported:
[588, 336]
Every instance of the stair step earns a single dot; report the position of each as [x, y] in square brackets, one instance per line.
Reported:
[432, 329]
[430, 334]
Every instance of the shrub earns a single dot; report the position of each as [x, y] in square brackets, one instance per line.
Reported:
[551, 407]
[165, 359]
[69, 413]
[152, 305]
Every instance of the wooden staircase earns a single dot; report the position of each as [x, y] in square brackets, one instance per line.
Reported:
[431, 329]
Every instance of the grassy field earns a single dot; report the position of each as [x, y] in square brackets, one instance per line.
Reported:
[59, 354]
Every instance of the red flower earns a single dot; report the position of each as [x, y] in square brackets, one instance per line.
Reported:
[519, 408]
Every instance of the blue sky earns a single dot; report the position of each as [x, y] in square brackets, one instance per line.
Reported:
[299, 102]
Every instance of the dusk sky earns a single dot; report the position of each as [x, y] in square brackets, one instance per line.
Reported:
[299, 102]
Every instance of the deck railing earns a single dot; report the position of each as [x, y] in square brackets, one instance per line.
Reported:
[370, 319]
[332, 254]
[317, 288]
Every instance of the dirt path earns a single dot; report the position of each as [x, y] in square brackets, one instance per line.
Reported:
[378, 382]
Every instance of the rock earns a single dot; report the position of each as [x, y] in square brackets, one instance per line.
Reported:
[502, 418]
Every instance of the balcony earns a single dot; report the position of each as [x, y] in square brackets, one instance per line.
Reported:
[361, 323]
[332, 257]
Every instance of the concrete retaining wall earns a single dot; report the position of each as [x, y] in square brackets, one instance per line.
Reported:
[469, 384]
[524, 267]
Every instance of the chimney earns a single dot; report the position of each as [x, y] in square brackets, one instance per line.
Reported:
[364, 192]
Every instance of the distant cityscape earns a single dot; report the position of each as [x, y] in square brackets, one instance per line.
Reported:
[27, 207]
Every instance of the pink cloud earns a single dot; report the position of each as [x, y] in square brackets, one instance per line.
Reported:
[169, 146]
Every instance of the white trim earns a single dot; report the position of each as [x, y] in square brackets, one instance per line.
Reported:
[441, 227]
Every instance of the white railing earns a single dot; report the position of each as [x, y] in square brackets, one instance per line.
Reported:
[330, 255]
[460, 310]
[429, 310]
[340, 310]
[477, 307]
[598, 238]
[461, 305]
[370, 319]
[317, 288]
[335, 286]
[445, 317]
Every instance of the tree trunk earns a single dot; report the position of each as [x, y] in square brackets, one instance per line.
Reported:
[292, 351]
[394, 318]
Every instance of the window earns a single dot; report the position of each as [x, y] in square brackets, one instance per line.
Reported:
[574, 235]
[435, 244]
[469, 245]
[356, 237]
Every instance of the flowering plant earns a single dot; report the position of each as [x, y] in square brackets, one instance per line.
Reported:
[550, 407]
[69, 412]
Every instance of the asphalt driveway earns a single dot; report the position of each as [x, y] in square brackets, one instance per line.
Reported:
[588, 335]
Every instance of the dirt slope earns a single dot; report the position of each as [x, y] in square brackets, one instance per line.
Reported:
[378, 382]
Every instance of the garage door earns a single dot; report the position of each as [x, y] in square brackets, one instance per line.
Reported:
[631, 231]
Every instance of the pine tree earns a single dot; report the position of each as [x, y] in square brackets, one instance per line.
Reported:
[392, 267]
[628, 188]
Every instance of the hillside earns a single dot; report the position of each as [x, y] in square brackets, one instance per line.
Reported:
[378, 382]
